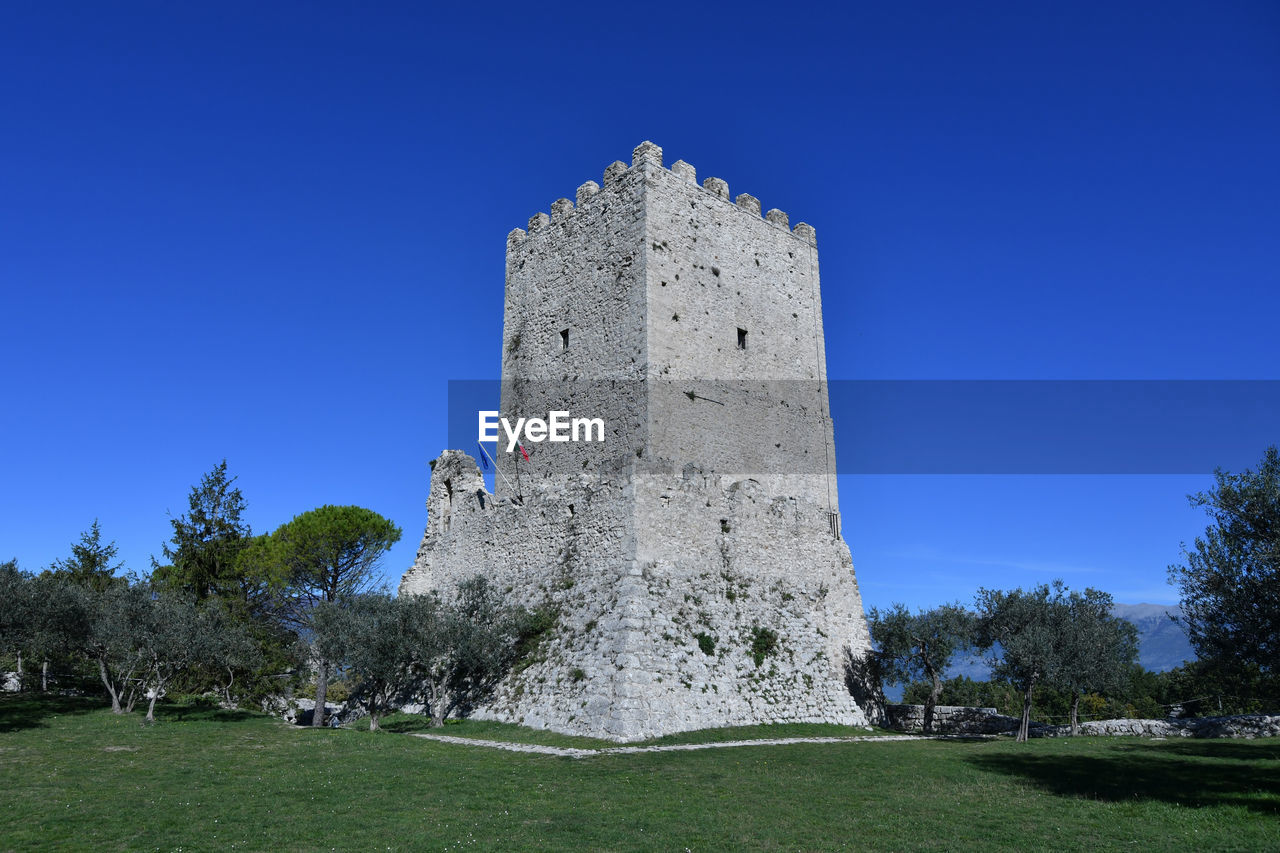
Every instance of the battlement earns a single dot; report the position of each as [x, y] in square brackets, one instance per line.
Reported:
[648, 156]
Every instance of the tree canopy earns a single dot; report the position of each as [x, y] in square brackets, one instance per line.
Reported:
[1096, 650]
[90, 563]
[323, 556]
[1051, 636]
[1230, 581]
[920, 645]
[1027, 625]
[207, 540]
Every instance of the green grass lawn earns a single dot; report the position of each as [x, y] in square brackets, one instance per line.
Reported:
[72, 775]
[489, 730]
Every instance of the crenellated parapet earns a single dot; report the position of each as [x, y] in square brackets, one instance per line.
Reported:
[648, 157]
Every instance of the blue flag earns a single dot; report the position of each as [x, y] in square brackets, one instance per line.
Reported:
[484, 457]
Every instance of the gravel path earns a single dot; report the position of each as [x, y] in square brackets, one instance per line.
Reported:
[575, 752]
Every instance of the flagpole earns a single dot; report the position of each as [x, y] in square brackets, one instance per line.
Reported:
[495, 465]
[519, 494]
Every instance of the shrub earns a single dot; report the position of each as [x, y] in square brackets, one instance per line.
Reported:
[764, 643]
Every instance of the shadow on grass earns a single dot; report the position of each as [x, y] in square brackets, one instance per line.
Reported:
[1267, 749]
[403, 724]
[1189, 774]
[29, 711]
[192, 712]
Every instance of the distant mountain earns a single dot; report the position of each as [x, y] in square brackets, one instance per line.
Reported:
[1161, 643]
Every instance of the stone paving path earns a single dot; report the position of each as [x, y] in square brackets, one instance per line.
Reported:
[575, 752]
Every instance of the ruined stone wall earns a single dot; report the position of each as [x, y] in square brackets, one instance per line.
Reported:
[668, 589]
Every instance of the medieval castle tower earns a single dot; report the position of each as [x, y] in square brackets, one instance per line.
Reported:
[694, 555]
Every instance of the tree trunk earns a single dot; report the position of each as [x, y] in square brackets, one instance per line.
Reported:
[1075, 714]
[151, 707]
[932, 703]
[437, 705]
[1024, 730]
[322, 688]
[19, 669]
[44, 677]
[111, 688]
[226, 689]
[373, 721]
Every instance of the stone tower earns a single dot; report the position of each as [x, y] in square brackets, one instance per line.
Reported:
[694, 555]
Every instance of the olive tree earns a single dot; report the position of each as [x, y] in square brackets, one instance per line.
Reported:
[1096, 650]
[178, 635]
[448, 652]
[15, 610]
[1027, 625]
[371, 635]
[920, 645]
[1230, 581]
[115, 618]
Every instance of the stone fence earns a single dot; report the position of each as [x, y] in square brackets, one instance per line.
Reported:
[956, 719]
[948, 719]
[1245, 726]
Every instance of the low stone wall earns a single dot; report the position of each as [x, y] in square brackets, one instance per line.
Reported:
[955, 719]
[1245, 726]
[948, 719]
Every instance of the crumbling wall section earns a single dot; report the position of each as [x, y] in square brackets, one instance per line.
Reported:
[681, 604]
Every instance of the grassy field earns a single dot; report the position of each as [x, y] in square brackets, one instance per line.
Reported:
[74, 776]
[489, 730]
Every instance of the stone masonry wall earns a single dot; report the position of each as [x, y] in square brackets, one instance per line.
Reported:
[694, 558]
[626, 660]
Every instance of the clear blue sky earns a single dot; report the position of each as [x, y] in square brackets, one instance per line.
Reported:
[272, 233]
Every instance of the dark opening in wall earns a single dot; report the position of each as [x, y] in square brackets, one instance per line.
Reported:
[448, 507]
[742, 339]
[564, 339]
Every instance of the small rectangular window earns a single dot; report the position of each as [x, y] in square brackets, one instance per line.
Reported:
[564, 339]
[742, 339]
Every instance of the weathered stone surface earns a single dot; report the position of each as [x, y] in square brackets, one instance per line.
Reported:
[699, 526]
[965, 720]
[685, 171]
[948, 719]
[717, 187]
